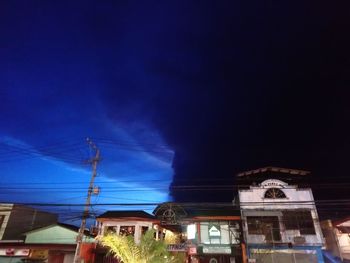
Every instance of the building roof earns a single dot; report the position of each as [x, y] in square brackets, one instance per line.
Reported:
[287, 175]
[185, 211]
[272, 169]
[24, 218]
[342, 221]
[213, 213]
[67, 226]
[71, 227]
[212, 210]
[126, 214]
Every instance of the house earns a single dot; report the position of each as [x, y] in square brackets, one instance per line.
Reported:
[15, 220]
[337, 237]
[210, 233]
[31, 235]
[130, 222]
[57, 244]
[202, 233]
[279, 218]
[133, 223]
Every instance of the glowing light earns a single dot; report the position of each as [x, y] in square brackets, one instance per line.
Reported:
[191, 231]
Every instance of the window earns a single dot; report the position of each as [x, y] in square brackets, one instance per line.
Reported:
[2, 217]
[264, 225]
[274, 193]
[299, 220]
[127, 230]
[111, 229]
[218, 232]
[144, 229]
[234, 229]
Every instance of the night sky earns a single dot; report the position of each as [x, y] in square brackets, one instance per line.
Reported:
[172, 92]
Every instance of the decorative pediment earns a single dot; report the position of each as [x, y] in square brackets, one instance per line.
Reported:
[170, 213]
[273, 183]
[274, 193]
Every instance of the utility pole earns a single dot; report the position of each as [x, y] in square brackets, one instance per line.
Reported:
[80, 236]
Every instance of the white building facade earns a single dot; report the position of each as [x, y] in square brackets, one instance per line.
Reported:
[280, 223]
[337, 237]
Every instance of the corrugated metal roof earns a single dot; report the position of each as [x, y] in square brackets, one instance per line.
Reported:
[126, 213]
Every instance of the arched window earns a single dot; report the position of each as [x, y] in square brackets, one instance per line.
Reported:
[274, 193]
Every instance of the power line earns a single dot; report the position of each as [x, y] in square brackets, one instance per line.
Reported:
[200, 204]
[212, 186]
[16, 152]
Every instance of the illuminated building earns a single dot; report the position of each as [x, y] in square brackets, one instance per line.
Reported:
[279, 219]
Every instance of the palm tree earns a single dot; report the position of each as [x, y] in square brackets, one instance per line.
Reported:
[148, 250]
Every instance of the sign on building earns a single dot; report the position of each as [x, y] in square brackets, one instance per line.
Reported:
[217, 250]
[214, 231]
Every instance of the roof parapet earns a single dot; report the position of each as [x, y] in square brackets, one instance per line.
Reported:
[274, 169]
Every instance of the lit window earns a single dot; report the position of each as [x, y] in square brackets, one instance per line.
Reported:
[111, 229]
[264, 225]
[127, 230]
[191, 231]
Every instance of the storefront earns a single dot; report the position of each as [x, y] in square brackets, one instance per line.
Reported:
[217, 254]
[13, 254]
[36, 253]
[212, 234]
[302, 254]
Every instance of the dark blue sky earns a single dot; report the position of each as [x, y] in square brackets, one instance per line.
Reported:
[169, 89]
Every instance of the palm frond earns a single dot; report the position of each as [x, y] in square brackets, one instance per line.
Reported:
[149, 250]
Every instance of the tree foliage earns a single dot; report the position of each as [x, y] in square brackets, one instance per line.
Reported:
[149, 250]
